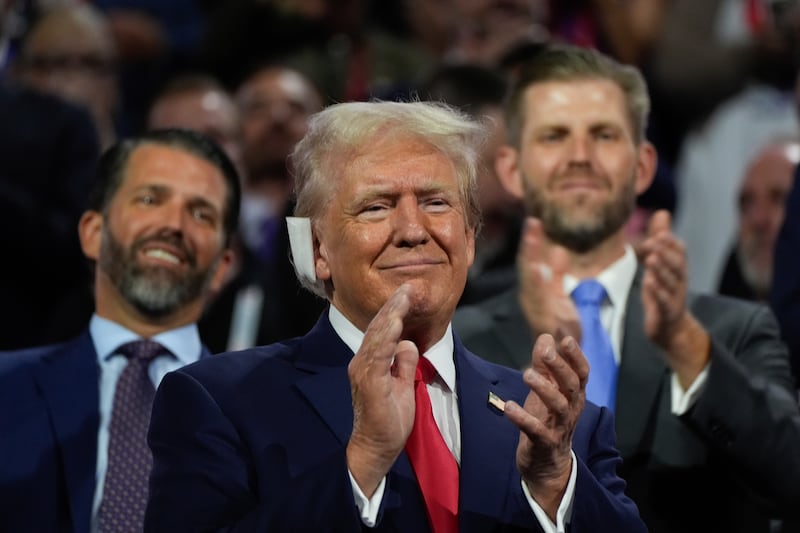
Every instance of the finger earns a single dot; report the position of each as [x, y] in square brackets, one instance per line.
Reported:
[383, 332]
[667, 276]
[573, 355]
[532, 247]
[659, 222]
[543, 342]
[650, 304]
[548, 393]
[565, 379]
[530, 425]
[406, 357]
[559, 263]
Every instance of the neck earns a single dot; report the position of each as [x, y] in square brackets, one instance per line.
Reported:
[591, 263]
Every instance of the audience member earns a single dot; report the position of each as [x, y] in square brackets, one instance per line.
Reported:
[761, 205]
[275, 103]
[74, 416]
[70, 52]
[713, 156]
[247, 311]
[48, 149]
[344, 438]
[199, 102]
[685, 373]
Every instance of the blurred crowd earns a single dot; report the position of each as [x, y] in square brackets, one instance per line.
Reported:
[77, 76]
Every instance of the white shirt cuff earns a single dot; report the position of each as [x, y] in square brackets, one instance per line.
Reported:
[564, 508]
[683, 400]
[368, 507]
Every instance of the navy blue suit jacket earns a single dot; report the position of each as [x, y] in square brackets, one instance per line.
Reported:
[49, 418]
[255, 441]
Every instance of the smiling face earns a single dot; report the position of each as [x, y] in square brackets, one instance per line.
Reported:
[578, 165]
[161, 245]
[395, 216]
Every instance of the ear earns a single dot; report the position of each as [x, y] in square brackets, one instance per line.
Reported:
[506, 165]
[647, 162]
[321, 260]
[221, 273]
[470, 247]
[90, 233]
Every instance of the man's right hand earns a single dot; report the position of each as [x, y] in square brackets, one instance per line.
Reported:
[382, 384]
[547, 308]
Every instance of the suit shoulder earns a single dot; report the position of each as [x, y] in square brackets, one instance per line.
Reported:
[234, 366]
[711, 308]
[479, 317]
[12, 362]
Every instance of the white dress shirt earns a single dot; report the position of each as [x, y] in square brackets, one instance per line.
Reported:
[617, 280]
[444, 402]
[183, 343]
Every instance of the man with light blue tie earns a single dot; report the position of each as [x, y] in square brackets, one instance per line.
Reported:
[74, 416]
[706, 420]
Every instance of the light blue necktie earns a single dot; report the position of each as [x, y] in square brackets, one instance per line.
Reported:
[596, 344]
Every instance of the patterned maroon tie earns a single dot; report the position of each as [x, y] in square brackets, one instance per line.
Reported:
[129, 458]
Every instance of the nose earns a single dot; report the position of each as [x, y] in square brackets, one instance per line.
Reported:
[410, 224]
[174, 216]
[762, 218]
[580, 149]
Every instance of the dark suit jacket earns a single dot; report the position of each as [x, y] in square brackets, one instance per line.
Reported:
[48, 152]
[785, 293]
[255, 441]
[49, 416]
[737, 447]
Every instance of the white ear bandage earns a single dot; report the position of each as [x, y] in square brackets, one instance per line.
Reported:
[302, 245]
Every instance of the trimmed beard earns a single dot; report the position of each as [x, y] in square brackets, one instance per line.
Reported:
[154, 291]
[759, 279]
[582, 236]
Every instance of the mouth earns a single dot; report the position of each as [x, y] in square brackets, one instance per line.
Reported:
[164, 254]
[412, 265]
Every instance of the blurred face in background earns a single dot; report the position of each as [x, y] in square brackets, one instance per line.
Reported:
[71, 53]
[207, 110]
[275, 104]
[762, 202]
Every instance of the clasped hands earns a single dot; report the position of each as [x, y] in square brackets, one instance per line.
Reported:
[382, 385]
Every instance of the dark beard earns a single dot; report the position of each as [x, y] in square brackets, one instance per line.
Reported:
[153, 291]
[584, 236]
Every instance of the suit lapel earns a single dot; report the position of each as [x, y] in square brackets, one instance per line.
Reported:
[486, 442]
[69, 381]
[641, 375]
[327, 388]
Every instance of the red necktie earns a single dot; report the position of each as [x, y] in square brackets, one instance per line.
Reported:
[431, 459]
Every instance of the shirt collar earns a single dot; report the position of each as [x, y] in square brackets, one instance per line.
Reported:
[616, 279]
[184, 342]
[440, 354]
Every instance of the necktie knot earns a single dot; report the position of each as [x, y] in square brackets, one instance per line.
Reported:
[589, 292]
[143, 349]
[425, 371]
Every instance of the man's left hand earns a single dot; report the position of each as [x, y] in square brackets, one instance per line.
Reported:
[557, 379]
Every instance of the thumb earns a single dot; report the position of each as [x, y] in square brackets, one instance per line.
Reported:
[559, 263]
[405, 360]
[660, 221]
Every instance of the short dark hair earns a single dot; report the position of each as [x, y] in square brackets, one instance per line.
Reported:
[113, 163]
